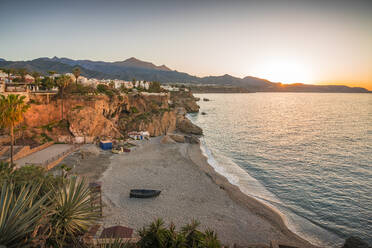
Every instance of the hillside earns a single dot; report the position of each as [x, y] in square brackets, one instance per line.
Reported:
[42, 65]
[142, 70]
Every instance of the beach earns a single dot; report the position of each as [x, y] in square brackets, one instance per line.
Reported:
[191, 189]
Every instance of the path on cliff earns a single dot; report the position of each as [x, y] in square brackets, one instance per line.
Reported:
[42, 156]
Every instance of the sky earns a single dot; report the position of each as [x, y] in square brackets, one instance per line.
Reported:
[288, 41]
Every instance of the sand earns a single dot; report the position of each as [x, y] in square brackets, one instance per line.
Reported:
[191, 189]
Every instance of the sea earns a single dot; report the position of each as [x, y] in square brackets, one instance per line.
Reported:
[308, 155]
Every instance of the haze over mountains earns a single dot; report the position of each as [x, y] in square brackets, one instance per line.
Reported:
[141, 70]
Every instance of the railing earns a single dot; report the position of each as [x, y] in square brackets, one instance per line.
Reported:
[56, 157]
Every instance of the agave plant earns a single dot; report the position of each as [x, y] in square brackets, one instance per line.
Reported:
[20, 213]
[72, 212]
[210, 239]
[155, 235]
[193, 236]
[175, 239]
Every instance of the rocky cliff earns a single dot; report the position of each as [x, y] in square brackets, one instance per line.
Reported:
[109, 117]
[184, 99]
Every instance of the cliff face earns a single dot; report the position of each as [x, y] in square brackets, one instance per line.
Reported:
[104, 117]
[184, 99]
[149, 112]
[84, 116]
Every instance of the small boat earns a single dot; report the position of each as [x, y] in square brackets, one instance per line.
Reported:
[116, 151]
[144, 193]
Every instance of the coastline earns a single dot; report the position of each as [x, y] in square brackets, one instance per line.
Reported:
[191, 189]
[269, 213]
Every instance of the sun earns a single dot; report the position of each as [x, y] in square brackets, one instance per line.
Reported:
[284, 71]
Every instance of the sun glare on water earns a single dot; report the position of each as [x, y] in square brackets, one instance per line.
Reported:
[284, 71]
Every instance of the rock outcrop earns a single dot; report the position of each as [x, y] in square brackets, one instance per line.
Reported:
[100, 116]
[186, 126]
[184, 99]
[354, 242]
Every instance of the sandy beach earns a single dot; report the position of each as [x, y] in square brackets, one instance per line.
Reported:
[191, 189]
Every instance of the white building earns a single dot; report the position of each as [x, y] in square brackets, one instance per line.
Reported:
[72, 76]
[169, 88]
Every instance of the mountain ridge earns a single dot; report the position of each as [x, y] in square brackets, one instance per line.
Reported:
[142, 70]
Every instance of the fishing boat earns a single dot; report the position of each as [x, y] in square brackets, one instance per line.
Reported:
[143, 193]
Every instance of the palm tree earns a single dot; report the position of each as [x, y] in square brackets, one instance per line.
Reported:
[51, 73]
[76, 72]
[62, 82]
[36, 77]
[22, 72]
[12, 109]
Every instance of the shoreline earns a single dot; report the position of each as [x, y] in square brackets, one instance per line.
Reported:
[191, 189]
[260, 208]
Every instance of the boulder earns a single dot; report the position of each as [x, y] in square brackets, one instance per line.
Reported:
[354, 242]
[178, 138]
[167, 140]
[192, 139]
[186, 126]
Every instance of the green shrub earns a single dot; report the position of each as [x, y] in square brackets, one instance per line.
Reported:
[110, 92]
[154, 87]
[46, 138]
[80, 89]
[157, 236]
[33, 101]
[77, 107]
[133, 110]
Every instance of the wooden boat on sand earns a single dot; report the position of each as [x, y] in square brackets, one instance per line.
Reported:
[143, 193]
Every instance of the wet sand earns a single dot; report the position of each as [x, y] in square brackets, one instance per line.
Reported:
[191, 189]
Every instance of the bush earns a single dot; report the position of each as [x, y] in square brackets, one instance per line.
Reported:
[80, 89]
[26, 175]
[154, 87]
[133, 110]
[157, 236]
[45, 138]
[104, 89]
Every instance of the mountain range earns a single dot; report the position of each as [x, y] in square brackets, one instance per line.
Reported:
[141, 70]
